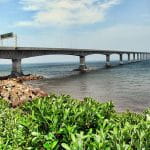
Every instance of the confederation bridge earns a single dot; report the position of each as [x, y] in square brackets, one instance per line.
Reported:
[16, 54]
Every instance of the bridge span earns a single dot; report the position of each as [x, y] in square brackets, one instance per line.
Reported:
[16, 54]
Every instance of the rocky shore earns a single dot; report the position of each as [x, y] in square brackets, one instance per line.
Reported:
[16, 92]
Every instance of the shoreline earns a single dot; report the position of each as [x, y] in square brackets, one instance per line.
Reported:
[15, 91]
[27, 77]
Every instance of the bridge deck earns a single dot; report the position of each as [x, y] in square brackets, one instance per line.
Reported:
[65, 49]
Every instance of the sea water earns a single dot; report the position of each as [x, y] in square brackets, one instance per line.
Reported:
[127, 86]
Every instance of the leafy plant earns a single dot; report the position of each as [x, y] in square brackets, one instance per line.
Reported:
[61, 122]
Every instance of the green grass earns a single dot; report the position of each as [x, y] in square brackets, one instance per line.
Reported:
[60, 122]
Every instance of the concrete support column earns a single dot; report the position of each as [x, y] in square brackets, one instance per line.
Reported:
[134, 57]
[108, 61]
[143, 56]
[138, 57]
[146, 56]
[121, 59]
[82, 64]
[16, 67]
[128, 57]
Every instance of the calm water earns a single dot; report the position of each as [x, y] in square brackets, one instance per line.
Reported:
[128, 86]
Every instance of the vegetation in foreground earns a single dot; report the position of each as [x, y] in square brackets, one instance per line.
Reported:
[60, 122]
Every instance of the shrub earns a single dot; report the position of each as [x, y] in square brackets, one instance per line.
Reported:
[60, 122]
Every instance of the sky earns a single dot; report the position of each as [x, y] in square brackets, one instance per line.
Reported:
[97, 24]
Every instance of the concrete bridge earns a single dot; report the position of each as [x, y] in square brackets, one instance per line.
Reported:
[16, 54]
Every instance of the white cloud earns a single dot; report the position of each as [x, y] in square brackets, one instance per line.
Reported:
[66, 12]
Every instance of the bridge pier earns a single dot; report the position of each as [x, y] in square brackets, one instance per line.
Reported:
[142, 56]
[128, 57]
[82, 66]
[108, 61]
[133, 57]
[121, 59]
[146, 57]
[16, 67]
[138, 57]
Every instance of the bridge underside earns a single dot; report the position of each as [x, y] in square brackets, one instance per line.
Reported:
[19, 53]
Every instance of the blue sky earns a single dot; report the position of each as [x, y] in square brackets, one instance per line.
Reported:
[101, 24]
